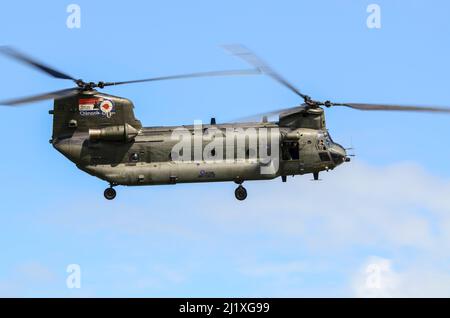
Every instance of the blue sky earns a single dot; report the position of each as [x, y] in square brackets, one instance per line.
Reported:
[388, 207]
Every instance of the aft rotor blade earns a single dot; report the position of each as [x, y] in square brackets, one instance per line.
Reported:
[40, 97]
[359, 106]
[388, 107]
[269, 114]
[8, 51]
[189, 75]
[251, 58]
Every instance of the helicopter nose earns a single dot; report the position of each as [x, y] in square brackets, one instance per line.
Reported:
[338, 154]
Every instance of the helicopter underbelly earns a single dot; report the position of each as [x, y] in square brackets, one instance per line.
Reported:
[180, 172]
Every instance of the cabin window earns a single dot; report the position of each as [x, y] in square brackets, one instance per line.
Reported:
[134, 157]
[290, 151]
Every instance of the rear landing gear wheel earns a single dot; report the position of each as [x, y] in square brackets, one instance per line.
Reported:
[240, 193]
[109, 194]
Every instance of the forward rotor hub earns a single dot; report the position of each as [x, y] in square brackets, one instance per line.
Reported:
[89, 85]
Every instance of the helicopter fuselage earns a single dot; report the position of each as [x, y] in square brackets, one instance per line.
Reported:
[148, 159]
[99, 133]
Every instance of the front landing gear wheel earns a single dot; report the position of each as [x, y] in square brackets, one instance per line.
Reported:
[109, 194]
[240, 193]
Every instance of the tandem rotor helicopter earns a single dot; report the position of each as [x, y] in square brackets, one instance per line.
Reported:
[100, 134]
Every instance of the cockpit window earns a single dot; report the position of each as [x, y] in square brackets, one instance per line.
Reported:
[337, 158]
[329, 137]
[324, 156]
[324, 141]
[321, 144]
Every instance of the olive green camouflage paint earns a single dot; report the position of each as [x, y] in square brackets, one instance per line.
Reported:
[117, 149]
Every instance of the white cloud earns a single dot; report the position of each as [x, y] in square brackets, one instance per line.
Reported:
[290, 239]
[400, 210]
[377, 278]
[399, 206]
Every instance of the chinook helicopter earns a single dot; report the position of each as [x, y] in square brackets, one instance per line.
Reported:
[101, 135]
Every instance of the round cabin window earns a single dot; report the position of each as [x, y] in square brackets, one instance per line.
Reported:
[134, 157]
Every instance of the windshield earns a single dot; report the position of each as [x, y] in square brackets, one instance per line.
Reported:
[324, 141]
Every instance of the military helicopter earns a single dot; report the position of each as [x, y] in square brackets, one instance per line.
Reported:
[101, 135]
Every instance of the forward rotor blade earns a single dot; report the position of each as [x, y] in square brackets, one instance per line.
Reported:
[251, 58]
[29, 61]
[39, 97]
[387, 107]
[190, 75]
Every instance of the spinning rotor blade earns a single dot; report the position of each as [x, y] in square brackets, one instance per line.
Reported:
[27, 60]
[50, 95]
[387, 107]
[80, 83]
[190, 75]
[87, 86]
[251, 58]
[269, 114]
[365, 107]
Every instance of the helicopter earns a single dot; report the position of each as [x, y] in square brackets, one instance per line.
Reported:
[100, 134]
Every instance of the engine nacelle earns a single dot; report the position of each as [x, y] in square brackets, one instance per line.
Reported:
[124, 133]
[312, 118]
